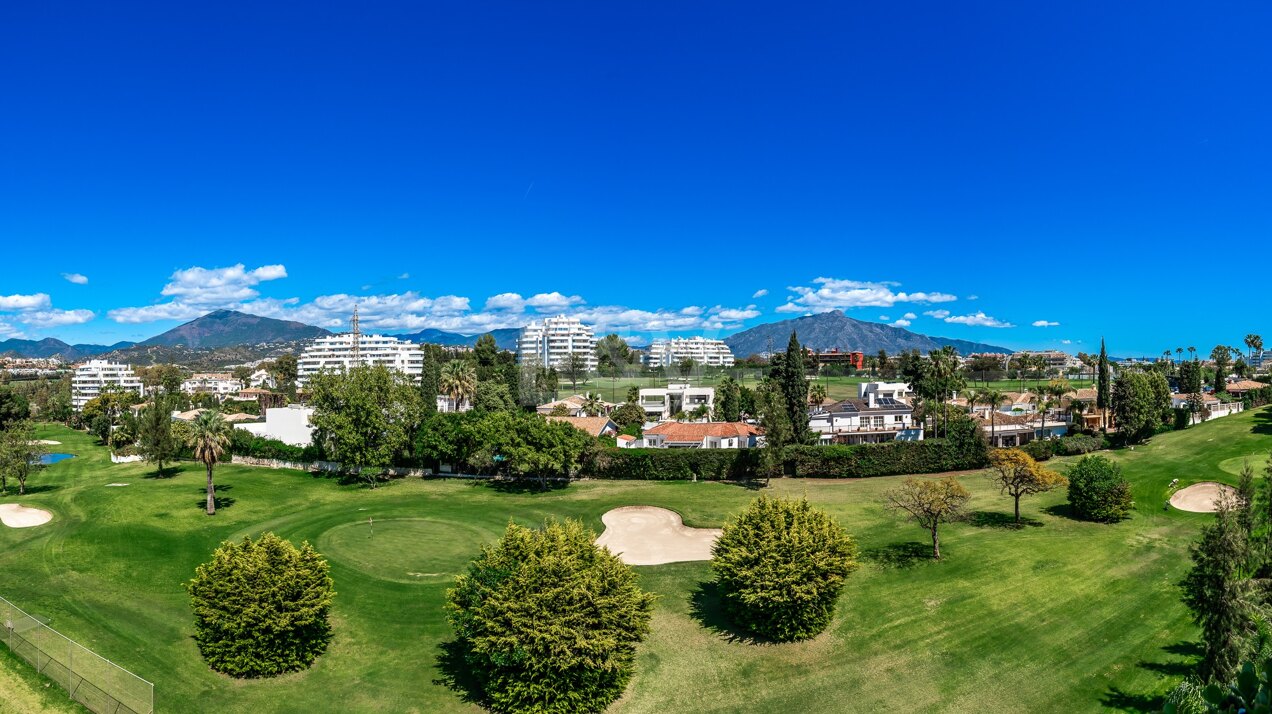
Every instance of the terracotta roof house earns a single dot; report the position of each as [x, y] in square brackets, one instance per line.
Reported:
[1239, 388]
[702, 435]
[596, 426]
[573, 406]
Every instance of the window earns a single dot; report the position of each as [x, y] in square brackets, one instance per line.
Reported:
[900, 418]
[878, 422]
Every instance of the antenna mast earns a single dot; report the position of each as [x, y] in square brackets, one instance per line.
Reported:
[357, 337]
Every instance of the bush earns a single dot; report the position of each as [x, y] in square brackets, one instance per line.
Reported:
[1039, 449]
[260, 608]
[245, 443]
[1097, 491]
[780, 565]
[677, 464]
[1077, 444]
[1183, 418]
[887, 459]
[548, 622]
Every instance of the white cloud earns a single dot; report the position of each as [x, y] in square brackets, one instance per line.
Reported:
[404, 276]
[973, 297]
[8, 331]
[901, 323]
[885, 318]
[56, 318]
[37, 301]
[1044, 323]
[553, 301]
[506, 301]
[219, 286]
[152, 313]
[1066, 342]
[836, 294]
[979, 319]
[909, 316]
[759, 293]
[938, 314]
[76, 278]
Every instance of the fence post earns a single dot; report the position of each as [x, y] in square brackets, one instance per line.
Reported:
[70, 667]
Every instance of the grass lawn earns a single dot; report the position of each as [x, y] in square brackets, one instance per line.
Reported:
[1057, 616]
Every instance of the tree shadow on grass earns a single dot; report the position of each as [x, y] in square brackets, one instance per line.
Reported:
[163, 474]
[899, 555]
[1117, 698]
[706, 605]
[218, 500]
[521, 485]
[749, 484]
[38, 488]
[993, 519]
[1262, 421]
[456, 675]
[1190, 652]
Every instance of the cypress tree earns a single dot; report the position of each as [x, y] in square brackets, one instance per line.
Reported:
[794, 388]
[1103, 386]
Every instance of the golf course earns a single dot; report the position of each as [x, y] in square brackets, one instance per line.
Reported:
[1057, 615]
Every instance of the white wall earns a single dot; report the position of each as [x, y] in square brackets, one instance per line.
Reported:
[289, 425]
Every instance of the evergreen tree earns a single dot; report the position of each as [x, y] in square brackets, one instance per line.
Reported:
[1217, 592]
[794, 390]
[728, 400]
[1103, 386]
[156, 440]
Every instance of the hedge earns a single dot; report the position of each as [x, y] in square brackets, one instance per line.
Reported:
[833, 461]
[1077, 444]
[244, 443]
[1040, 450]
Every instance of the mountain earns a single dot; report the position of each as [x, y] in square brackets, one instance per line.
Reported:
[229, 328]
[53, 347]
[835, 330]
[505, 339]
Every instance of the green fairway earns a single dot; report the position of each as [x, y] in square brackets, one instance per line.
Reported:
[1057, 616]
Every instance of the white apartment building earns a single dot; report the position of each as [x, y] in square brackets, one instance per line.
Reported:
[221, 384]
[709, 353]
[92, 376]
[551, 341]
[663, 404]
[335, 354]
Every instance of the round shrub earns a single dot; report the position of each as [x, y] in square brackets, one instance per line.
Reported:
[547, 622]
[1097, 491]
[780, 565]
[260, 607]
[1039, 449]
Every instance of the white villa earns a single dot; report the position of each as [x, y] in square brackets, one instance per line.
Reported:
[661, 404]
[335, 353]
[871, 420]
[709, 353]
[289, 424]
[1212, 407]
[695, 435]
[889, 390]
[221, 384]
[92, 376]
[550, 342]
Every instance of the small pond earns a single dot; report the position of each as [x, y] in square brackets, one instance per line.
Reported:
[49, 459]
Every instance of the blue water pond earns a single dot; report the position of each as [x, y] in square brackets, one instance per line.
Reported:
[49, 459]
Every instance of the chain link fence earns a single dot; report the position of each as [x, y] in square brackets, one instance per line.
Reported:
[92, 680]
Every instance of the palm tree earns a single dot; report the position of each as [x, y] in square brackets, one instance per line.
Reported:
[458, 380]
[817, 395]
[1077, 408]
[592, 405]
[992, 397]
[209, 436]
[1255, 343]
[1192, 353]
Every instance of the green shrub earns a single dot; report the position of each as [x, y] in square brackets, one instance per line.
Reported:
[260, 607]
[677, 464]
[780, 565]
[1039, 449]
[245, 443]
[1077, 445]
[886, 459]
[1183, 418]
[1097, 491]
[548, 622]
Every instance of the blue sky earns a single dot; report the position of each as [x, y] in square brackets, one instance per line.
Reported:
[972, 169]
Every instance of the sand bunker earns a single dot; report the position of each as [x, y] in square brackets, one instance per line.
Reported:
[1201, 497]
[47, 442]
[15, 516]
[646, 535]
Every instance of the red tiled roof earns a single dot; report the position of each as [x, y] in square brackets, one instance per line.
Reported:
[591, 425]
[697, 431]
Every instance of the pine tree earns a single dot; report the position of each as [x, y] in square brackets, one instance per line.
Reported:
[1216, 591]
[1103, 384]
[794, 389]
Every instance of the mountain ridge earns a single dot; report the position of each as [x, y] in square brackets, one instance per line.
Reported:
[835, 330]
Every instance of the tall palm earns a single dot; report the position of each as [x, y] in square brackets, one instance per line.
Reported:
[1255, 343]
[458, 380]
[992, 398]
[817, 395]
[209, 437]
[592, 405]
[1077, 408]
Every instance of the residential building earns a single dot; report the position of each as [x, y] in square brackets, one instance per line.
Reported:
[550, 342]
[856, 360]
[336, 353]
[1261, 359]
[221, 384]
[899, 391]
[1240, 387]
[95, 375]
[661, 404]
[697, 435]
[447, 404]
[703, 351]
[572, 406]
[871, 420]
[1008, 430]
[262, 379]
[1054, 358]
[1211, 406]
[289, 424]
[595, 426]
